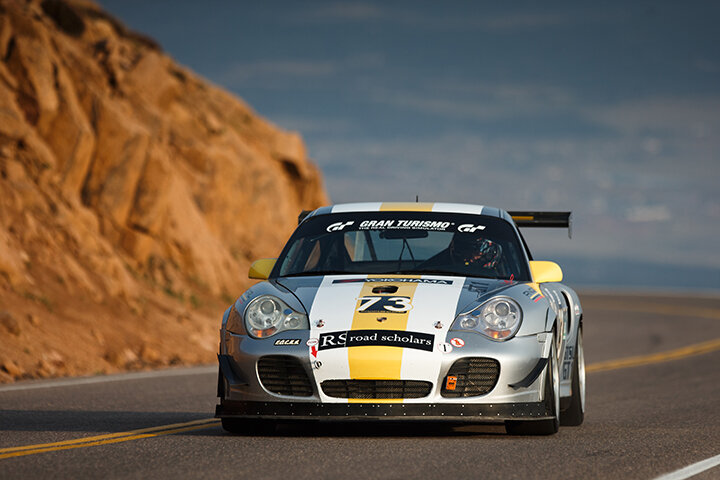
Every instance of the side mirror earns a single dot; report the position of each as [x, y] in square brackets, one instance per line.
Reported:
[260, 269]
[544, 272]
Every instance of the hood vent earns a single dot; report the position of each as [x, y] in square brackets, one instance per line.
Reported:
[385, 289]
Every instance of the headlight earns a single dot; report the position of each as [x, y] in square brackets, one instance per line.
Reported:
[498, 319]
[267, 315]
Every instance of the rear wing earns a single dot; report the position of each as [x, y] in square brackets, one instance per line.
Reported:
[543, 220]
[303, 214]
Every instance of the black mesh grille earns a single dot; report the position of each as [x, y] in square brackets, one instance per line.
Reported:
[370, 389]
[284, 375]
[471, 377]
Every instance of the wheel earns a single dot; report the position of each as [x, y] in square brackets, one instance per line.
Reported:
[248, 426]
[552, 401]
[575, 413]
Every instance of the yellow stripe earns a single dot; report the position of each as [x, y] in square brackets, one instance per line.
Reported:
[406, 207]
[697, 349]
[379, 362]
[521, 217]
[108, 439]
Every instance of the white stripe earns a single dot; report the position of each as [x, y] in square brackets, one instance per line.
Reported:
[334, 304]
[692, 470]
[356, 207]
[431, 303]
[458, 208]
[437, 207]
[71, 382]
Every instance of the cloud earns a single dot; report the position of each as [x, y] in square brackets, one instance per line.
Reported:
[344, 11]
[695, 116]
[285, 73]
[481, 101]
[499, 20]
[243, 73]
[648, 213]
[706, 65]
[309, 126]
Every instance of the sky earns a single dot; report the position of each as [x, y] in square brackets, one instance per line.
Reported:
[608, 109]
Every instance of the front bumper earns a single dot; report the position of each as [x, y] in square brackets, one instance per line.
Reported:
[451, 412]
[518, 358]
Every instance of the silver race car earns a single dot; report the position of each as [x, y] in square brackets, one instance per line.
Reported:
[406, 311]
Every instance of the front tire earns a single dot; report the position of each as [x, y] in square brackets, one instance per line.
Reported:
[552, 401]
[575, 413]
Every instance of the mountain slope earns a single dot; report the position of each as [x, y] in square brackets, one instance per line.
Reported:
[133, 196]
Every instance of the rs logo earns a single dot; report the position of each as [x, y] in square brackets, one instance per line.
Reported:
[384, 304]
[470, 228]
[338, 226]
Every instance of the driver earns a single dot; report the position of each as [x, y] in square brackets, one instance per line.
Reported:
[467, 249]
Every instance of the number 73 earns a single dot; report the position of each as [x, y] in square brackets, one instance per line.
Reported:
[381, 304]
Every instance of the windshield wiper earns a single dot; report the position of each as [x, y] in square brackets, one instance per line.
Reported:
[435, 271]
[405, 243]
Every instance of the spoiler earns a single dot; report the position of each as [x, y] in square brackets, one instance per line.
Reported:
[543, 220]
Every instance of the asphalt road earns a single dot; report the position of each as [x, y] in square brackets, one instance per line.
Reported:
[657, 415]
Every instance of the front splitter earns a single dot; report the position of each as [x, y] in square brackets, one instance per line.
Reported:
[453, 412]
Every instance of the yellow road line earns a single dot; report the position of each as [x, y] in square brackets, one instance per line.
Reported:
[698, 312]
[109, 438]
[690, 350]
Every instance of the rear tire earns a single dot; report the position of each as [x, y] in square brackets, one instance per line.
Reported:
[575, 413]
[248, 426]
[552, 401]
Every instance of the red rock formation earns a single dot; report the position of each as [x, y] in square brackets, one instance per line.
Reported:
[128, 185]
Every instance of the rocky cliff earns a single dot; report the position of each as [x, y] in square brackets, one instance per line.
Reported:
[133, 196]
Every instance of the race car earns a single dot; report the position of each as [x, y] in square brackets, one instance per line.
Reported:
[405, 311]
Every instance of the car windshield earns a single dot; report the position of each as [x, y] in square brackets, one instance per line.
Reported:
[404, 243]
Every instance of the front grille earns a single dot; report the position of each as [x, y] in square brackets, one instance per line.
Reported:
[369, 389]
[284, 375]
[471, 377]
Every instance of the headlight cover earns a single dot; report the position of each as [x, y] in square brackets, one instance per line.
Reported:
[498, 319]
[267, 315]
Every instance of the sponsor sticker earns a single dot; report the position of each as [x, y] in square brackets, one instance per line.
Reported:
[567, 361]
[534, 295]
[311, 342]
[431, 281]
[335, 227]
[470, 228]
[287, 341]
[451, 382]
[389, 338]
[397, 224]
[457, 342]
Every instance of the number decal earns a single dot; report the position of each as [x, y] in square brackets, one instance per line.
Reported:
[401, 304]
[370, 301]
[384, 304]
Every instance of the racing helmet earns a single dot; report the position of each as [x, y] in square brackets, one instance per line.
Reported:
[475, 250]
